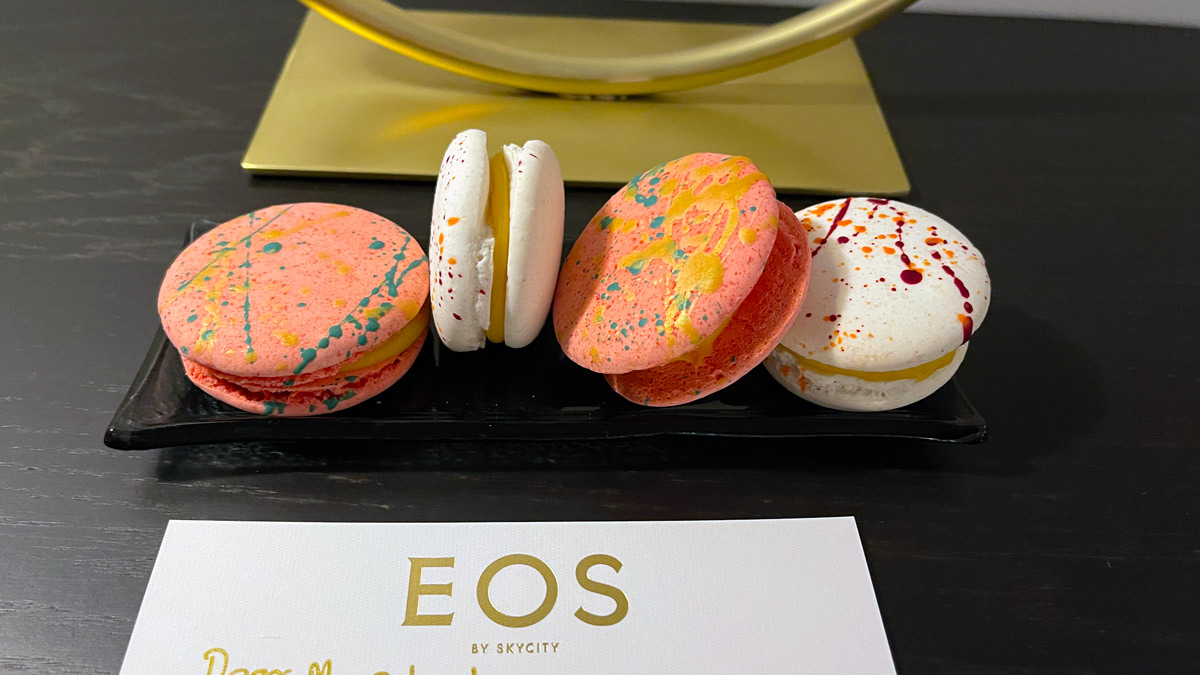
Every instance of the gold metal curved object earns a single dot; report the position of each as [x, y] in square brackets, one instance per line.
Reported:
[784, 42]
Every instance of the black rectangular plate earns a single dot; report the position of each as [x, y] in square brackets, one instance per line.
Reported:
[497, 393]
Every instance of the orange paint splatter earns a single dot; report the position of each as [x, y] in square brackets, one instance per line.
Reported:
[452, 221]
[867, 249]
[934, 241]
[889, 250]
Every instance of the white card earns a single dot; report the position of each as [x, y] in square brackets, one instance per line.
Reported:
[668, 598]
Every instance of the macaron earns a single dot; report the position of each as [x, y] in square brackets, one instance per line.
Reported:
[298, 309]
[895, 297]
[496, 239]
[683, 282]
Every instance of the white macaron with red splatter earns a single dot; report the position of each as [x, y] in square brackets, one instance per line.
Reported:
[895, 296]
[495, 242]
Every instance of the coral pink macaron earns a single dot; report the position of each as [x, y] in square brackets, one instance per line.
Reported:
[683, 282]
[298, 309]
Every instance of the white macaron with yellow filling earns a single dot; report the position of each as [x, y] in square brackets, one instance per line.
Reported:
[895, 295]
[495, 242]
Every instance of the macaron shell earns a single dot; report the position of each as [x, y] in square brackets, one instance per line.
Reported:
[843, 392]
[292, 290]
[535, 239]
[893, 286]
[665, 263]
[341, 392]
[460, 244]
[750, 336]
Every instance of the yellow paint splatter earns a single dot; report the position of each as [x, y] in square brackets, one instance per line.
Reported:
[700, 272]
[410, 308]
[747, 235]
[285, 338]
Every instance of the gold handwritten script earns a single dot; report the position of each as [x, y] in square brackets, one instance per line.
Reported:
[216, 655]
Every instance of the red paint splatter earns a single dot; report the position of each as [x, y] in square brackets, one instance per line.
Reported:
[836, 220]
[962, 289]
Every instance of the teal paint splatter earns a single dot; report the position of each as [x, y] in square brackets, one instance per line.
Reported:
[183, 349]
[306, 357]
[335, 331]
[302, 304]
[614, 286]
[288, 383]
[331, 403]
[227, 249]
[192, 318]
[646, 200]
[362, 340]
[391, 281]
[246, 303]
[351, 378]
[273, 407]
[273, 247]
[642, 321]
[207, 335]
[375, 245]
[656, 222]
[605, 222]
[637, 266]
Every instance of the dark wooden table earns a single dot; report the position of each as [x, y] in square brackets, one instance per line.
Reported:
[1068, 543]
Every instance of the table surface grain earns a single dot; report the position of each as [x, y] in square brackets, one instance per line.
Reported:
[1068, 543]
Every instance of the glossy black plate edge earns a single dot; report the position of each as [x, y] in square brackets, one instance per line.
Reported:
[127, 432]
[124, 432]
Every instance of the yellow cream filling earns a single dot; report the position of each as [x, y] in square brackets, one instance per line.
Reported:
[917, 373]
[497, 218]
[393, 346]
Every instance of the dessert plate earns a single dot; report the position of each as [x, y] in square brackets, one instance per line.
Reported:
[496, 393]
